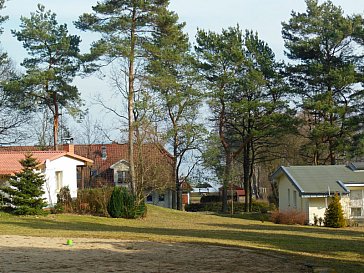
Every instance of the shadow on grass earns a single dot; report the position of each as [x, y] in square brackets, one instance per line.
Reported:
[271, 238]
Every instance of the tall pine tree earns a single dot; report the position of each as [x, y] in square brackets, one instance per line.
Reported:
[326, 76]
[125, 27]
[173, 80]
[51, 67]
[25, 190]
[247, 98]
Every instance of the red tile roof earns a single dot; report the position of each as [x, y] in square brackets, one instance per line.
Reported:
[116, 152]
[9, 160]
[93, 152]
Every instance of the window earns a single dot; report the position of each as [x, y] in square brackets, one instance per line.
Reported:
[295, 199]
[289, 197]
[355, 212]
[149, 198]
[103, 152]
[59, 180]
[161, 197]
[123, 177]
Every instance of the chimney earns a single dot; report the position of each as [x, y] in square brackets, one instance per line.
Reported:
[70, 148]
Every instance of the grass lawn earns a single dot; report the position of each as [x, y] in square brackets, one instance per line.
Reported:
[342, 249]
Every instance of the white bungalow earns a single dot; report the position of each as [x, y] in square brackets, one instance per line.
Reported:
[309, 188]
[59, 169]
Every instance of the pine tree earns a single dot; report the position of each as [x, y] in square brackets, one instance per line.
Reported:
[173, 82]
[25, 190]
[125, 27]
[325, 74]
[51, 67]
[334, 216]
[247, 99]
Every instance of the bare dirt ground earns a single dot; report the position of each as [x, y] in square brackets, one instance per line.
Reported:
[40, 254]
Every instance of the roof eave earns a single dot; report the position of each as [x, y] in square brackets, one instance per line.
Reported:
[282, 169]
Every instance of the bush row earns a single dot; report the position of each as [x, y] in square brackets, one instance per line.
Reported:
[88, 201]
[290, 217]
[217, 207]
[107, 201]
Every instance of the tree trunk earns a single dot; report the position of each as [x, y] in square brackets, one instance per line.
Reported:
[178, 193]
[55, 122]
[139, 176]
[227, 180]
[246, 170]
[131, 105]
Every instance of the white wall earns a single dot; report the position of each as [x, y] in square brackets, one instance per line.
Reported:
[285, 202]
[317, 206]
[68, 167]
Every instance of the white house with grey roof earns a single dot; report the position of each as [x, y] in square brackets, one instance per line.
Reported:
[309, 189]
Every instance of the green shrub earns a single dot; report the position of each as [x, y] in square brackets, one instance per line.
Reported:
[93, 201]
[115, 203]
[334, 216]
[123, 204]
[261, 207]
[64, 201]
[210, 199]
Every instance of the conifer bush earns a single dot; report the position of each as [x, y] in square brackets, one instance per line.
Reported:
[124, 204]
[334, 216]
[64, 201]
[23, 195]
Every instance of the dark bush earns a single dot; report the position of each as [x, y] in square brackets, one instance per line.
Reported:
[210, 198]
[261, 207]
[115, 204]
[123, 204]
[64, 201]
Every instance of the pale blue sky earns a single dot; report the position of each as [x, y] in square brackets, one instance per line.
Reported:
[263, 16]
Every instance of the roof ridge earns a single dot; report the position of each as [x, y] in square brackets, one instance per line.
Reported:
[23, 152]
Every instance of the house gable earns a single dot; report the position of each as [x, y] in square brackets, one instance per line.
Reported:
[121, 165]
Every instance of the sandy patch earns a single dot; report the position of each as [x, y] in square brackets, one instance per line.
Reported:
[40, 254]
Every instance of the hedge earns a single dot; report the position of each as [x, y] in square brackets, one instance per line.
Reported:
[217, 207]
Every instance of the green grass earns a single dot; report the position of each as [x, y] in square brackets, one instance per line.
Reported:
[342, 249]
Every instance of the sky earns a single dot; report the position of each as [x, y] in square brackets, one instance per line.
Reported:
[263, 16]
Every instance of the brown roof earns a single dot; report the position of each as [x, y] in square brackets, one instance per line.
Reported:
[9, 160]
[114, 153]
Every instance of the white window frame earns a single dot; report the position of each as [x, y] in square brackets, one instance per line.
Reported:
[59, 180]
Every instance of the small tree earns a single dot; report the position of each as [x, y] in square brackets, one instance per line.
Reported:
[334, 216]
[124, 204]
[64, 200]
[25, 190]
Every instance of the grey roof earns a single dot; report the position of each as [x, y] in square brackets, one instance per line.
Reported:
[356, 166]
[311, 180]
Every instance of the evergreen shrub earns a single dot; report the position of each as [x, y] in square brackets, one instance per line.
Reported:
[23, 195]
[334, 216]
[123, 204]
